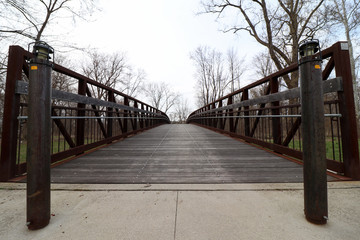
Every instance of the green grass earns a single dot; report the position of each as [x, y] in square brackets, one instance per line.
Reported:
[330, 153]
[57, 146]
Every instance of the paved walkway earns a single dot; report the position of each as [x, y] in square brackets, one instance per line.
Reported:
[178, 153]
[181, 212]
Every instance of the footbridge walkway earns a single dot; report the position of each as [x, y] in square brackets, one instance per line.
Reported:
[97, 134]
[178, 153]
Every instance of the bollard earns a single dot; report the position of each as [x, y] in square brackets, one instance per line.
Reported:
[313, 132]
[39, 138]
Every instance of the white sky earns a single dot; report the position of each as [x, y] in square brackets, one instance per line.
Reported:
[158, 36]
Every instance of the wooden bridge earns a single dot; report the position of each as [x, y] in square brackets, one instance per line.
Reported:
[178, 153]
[181, 153]
[43, 125]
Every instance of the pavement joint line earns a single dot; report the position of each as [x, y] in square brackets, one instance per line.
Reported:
[176, 212]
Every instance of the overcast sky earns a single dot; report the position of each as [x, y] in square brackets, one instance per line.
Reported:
[158, 36]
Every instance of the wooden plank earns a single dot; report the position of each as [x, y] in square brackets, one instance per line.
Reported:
[178, 154]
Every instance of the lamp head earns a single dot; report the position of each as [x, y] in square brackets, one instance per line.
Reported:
[42, 50]
[309, 47]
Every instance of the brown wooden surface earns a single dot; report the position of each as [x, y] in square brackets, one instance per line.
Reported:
[178, 154]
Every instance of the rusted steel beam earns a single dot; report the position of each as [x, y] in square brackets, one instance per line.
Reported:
[348, 123]
[80, 123]
[328, 69]
[246, 113]
[142, 117]
[125, 120]
[96, 112]
[259, 113]
[290, 135]
[214, 120]
[276, 122]
[11, 111]
[135, 119]
[63, 130]
[111, 98]
[230, 113]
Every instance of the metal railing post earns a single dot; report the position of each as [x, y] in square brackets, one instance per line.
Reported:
[109, 114]
[349, 136]
[80, 123]
[246, 113]
[11, 112]
[125, 123]
[313, 131]
[231, 114]
[39, 138]
[276, 121]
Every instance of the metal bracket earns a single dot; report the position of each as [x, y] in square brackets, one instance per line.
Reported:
[21, 87]
[344, 46]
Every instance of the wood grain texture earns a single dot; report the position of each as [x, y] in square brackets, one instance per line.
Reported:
[178, 154]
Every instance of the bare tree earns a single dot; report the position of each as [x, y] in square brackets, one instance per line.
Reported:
[182, 110]
[113, 70]
[61, 81]
[132, 81]
[211, 78]
[346, 15]
[30, 19]
[105, 69]
[236, 68]
[161, 96]
[277, 25]
[264, 67]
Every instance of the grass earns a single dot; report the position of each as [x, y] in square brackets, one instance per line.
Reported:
[57, 146]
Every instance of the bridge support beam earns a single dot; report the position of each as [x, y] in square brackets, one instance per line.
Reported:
[313, 131]
[39, 139]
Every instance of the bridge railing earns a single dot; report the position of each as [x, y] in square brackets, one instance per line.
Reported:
[273, 119]
[88, 116]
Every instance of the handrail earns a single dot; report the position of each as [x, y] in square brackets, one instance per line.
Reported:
[273, 119]
[80, 121]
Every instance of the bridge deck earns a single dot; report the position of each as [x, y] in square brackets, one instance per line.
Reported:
[178, 154]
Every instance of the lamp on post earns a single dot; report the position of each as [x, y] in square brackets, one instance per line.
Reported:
[309, 48]
[39, 137]
[313, 132]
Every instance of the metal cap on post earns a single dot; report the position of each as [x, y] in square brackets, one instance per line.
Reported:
[39, 137]
[313, 132]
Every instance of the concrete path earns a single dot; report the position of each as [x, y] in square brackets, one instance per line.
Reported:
[181, 212]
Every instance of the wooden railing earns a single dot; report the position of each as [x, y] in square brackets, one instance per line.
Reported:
[80, 120]
[273, 120]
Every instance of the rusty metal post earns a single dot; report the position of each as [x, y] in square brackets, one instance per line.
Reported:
[276, 121]
[11, 111]
[231, 114]
[111, 98]
[39, 138]
[313, 131]
[80, 123]
[246, 113]
[349, 136]
[125, 121]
